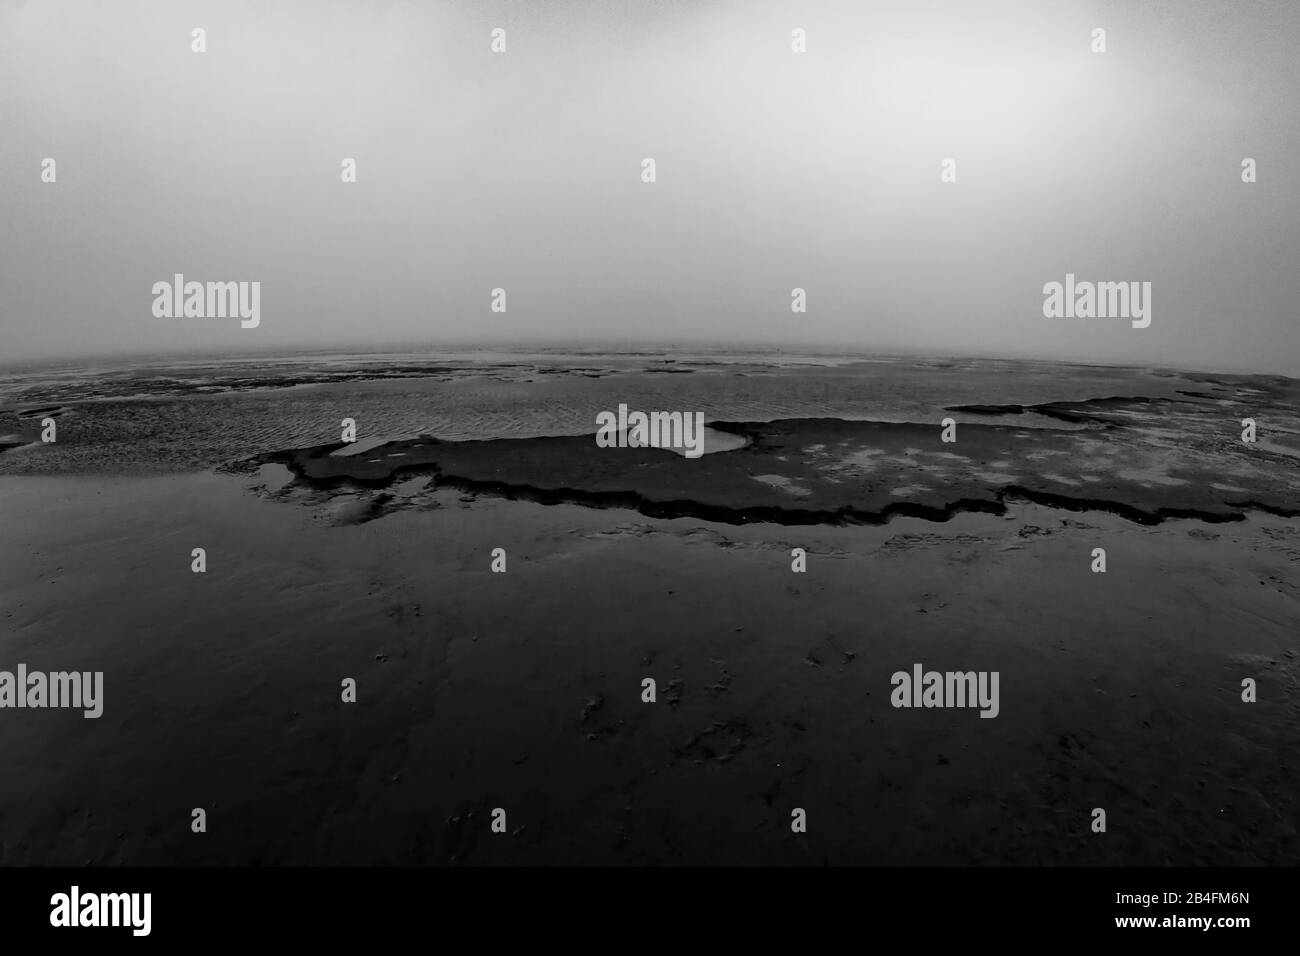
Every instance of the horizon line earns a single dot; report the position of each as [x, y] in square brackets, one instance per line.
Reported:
[125, 357]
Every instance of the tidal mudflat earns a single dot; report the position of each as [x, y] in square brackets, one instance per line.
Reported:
[522, 690]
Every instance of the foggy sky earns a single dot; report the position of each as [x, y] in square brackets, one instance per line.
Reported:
[775, 170]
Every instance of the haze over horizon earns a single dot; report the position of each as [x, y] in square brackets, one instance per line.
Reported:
[775, 170]
[234, 354]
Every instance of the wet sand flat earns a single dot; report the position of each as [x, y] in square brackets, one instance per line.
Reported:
[522, 690]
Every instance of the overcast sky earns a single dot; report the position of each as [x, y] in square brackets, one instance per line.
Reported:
[522, 170]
